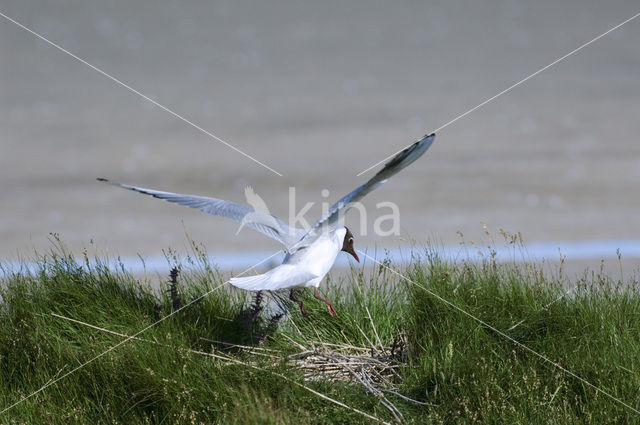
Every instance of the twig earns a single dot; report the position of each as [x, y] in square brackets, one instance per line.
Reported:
[373, 390]
[373, 325]
[397, 394]
[238, 345]
[299, 355]
[302, 347]
[296, 327]
[373, 347]
[347, 346]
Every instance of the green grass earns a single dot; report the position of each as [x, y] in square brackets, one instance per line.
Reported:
[467, 371]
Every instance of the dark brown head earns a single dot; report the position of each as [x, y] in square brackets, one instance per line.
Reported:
[347, 245]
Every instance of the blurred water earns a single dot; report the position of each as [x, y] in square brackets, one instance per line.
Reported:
[551, 251]
[319, 92]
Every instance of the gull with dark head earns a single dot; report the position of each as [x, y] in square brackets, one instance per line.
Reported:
[310, 254]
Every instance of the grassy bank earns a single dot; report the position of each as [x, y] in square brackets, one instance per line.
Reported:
[396, 351]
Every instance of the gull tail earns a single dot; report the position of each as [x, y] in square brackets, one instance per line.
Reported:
[281, 277]
[251, 283]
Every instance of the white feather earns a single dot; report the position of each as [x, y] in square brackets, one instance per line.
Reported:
[283, 276]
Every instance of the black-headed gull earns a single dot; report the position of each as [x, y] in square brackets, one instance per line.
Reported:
[310, 254]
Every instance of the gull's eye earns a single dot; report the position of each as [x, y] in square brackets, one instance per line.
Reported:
[350, 240]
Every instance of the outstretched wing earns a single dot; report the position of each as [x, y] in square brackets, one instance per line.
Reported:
[266, 224]
[397, 163]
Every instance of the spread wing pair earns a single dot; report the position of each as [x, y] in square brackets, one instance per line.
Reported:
[272, 226]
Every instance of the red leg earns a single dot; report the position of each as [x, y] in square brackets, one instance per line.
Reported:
[332, 311]
[297, 301]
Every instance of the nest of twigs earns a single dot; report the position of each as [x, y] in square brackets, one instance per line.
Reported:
[374, 368]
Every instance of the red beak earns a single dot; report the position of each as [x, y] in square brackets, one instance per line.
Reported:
[352, 252]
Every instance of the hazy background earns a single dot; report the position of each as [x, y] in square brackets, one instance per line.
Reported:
[318, 91]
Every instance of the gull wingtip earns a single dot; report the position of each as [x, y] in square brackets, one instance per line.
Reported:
[107, 181]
